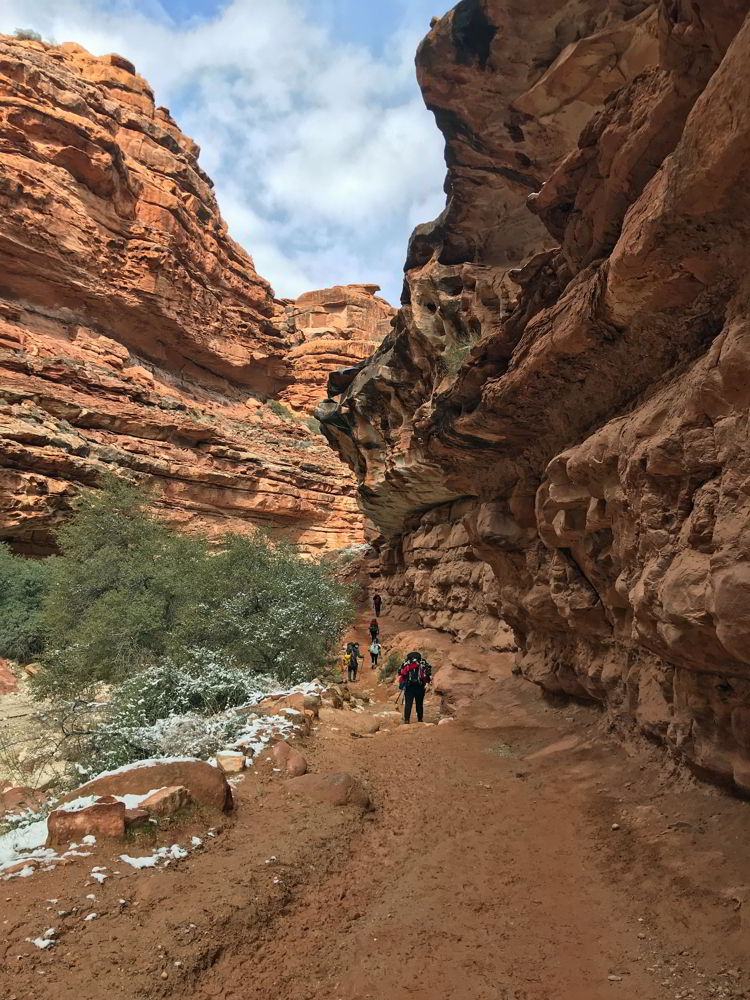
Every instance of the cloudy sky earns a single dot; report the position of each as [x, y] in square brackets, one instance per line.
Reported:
[307, 113]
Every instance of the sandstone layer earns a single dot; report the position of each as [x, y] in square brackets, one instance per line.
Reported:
[565, 391]
[332, 329]
[135, 334]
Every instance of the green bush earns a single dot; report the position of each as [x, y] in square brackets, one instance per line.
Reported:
[280, 410]
[23, 586]
[391, 666]
[128, 593]
[455, 355]
[27, 35]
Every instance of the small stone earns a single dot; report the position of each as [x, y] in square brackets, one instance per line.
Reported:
[614, 979]
[165, 975]
[615, 826]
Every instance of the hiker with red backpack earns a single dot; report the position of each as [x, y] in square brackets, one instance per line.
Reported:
[413, 678]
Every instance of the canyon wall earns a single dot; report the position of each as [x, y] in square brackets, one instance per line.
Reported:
[332, 329]
[555, 433]
[136, 335]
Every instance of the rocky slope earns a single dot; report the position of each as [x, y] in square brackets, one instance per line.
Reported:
[555, 433]
[135, 333]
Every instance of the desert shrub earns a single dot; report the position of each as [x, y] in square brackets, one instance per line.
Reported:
[27, 35]
[202, 684]
[341, 557]
[128, 593]
[113, 743]
[23, 586]
[313, 424]
[280, 410]
[266, 607]
[454, 356]
[391, 666]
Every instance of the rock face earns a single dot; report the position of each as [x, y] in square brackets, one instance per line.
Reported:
[554, 436]
[334, 328]
[135, 334]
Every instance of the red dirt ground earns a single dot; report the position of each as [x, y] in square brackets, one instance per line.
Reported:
[489, 870]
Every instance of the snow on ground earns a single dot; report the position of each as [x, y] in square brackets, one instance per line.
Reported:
[173, 853]
[26, 842]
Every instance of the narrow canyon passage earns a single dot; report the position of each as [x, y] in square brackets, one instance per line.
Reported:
[490, 869]
[516, 853]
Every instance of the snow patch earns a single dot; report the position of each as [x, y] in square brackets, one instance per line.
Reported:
[173, 853]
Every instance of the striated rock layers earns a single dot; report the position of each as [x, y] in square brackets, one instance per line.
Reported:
[333, 329]
[555, 434]
[134, 332]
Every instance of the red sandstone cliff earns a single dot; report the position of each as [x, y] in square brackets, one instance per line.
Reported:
[135, 333]
[555, 434]
[334, 328]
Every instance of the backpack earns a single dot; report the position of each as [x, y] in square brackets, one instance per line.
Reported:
[419, 671]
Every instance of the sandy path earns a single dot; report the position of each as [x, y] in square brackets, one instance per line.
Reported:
[489, 870]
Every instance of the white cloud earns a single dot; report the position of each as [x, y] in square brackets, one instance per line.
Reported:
[323, 154]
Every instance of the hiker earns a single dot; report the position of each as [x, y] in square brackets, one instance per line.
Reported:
[374, 653]
[374, 630]
[377, 601]
[342, 662]
[414, 676]
[353, 666]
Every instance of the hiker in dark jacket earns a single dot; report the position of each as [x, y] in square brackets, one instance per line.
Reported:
[414, 676]
[354, 657]
[377, 601]
[374, 630]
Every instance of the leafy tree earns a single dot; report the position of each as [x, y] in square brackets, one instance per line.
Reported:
[265, 606]
[111, 597]
[128, 592]
[23, 585]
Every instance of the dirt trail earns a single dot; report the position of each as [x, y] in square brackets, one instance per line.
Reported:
[489, 870]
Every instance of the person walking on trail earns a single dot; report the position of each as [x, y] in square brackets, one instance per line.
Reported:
[342, 662]
[414, 676]
[374, 630]
[354, 657]
[374, 653]
[377, 601]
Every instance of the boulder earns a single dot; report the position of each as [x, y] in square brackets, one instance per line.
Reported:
[231, 761]
[291, 760]
[8, 683]
[17, 798]
[338, 789]
[105, 818]
[135, 818]
[166, 801]
[332, 698]
[206, 784]
[366, 725]
[333, 716]
[301, 703]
